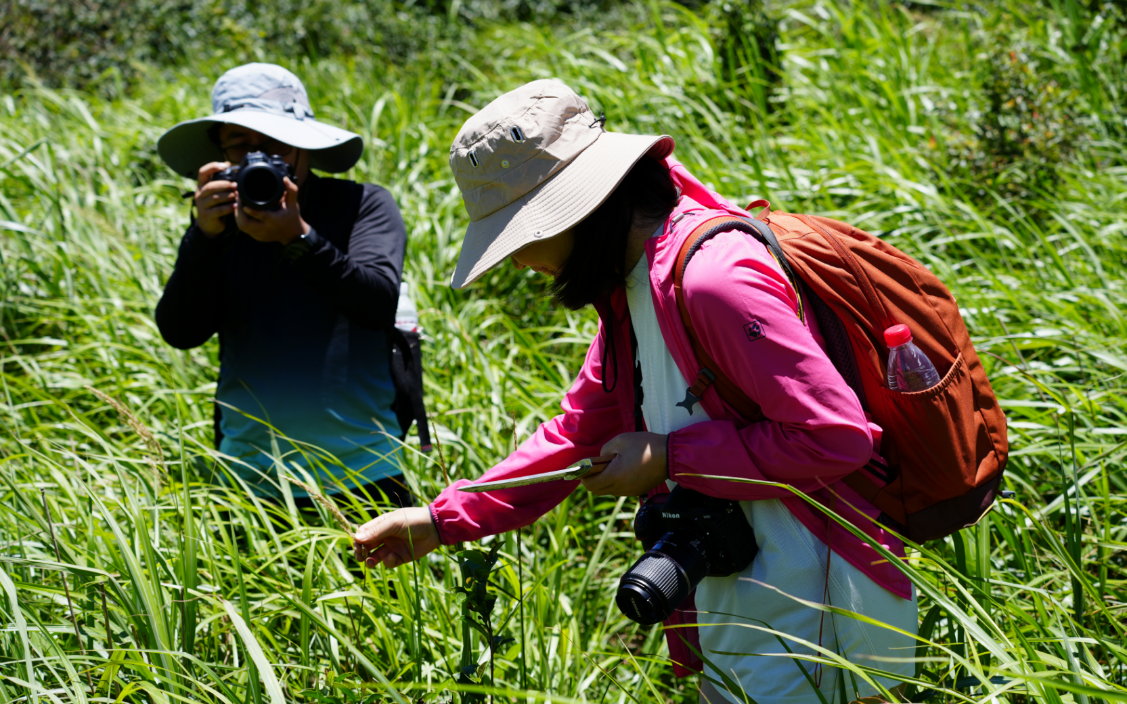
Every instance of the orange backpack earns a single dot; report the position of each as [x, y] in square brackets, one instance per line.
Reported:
[945, 447]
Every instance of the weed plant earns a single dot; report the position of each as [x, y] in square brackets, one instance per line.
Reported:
[126, 578]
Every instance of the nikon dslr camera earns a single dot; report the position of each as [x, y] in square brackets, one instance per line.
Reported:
[687, 537]
[260, 180]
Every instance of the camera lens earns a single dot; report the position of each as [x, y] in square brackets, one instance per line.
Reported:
[262, 181]
[653, 588]
[261, 186]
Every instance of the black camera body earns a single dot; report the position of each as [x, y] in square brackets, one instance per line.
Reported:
[688, 536]
[260, 179]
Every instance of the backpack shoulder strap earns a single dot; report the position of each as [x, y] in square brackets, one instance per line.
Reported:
[840, 352]
[405, 360]
[710, 372]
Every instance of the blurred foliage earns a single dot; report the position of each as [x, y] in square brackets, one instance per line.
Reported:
[1023, 127]
[746, 38]
[103, 43]
[517, 10]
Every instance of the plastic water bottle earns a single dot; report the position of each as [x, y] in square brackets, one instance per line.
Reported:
[909, 369]
[406, 315]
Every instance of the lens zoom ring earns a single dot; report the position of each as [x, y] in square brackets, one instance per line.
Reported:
[664, 575]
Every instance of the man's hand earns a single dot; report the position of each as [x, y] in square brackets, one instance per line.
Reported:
[214, 200]
[282, 225]
[390, 537]
[640, 465]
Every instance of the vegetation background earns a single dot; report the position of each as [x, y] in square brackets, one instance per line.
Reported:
[985, 138]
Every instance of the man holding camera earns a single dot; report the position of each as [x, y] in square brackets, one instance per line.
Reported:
[299, 275]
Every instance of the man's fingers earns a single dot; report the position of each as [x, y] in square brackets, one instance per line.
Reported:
[209, 203]
[217, 197]
[216, 187]
[203, 177]
[218, 208]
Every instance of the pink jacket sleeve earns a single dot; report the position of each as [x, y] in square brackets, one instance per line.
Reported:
[745, 314]
[590, 419]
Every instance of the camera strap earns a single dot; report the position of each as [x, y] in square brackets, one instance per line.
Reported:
[191, 206]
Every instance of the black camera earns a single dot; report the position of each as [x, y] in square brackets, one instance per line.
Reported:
[260, 180]
[687, 537]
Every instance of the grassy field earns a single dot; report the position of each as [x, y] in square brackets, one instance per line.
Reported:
[988, 140]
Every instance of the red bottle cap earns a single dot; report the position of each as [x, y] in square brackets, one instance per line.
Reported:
[897, 335]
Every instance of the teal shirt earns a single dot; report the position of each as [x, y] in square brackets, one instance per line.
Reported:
[325, 392]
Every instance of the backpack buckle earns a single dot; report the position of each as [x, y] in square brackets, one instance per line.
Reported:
[695, 393]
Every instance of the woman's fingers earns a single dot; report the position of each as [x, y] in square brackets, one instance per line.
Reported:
[598, 464]
[639, 465]
[376, 530]
[603, 482]
[391, 554]
[383, 555]
[599, 483]
[396, 538]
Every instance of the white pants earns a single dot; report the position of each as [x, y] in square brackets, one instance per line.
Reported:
[733, 611]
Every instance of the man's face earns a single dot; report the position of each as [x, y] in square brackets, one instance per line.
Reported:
[237, 141]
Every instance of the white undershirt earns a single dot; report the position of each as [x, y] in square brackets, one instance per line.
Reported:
[662, 383]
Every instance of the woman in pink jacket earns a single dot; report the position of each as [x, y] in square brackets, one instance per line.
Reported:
[605, 214]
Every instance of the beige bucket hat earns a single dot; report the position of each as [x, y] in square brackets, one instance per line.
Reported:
[530, 165]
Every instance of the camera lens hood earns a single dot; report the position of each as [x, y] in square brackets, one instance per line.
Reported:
[262, 181]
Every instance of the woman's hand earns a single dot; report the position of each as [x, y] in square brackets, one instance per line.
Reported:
[390, 537]
[639, 466]
[282, 225]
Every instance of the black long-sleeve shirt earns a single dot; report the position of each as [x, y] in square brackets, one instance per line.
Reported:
[302, 342]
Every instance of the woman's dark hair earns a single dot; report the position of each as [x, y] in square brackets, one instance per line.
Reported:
[598, 261]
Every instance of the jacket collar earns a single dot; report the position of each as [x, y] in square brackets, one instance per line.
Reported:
[696, 204]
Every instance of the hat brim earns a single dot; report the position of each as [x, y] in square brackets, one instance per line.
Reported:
[186, 147]
[562, 201]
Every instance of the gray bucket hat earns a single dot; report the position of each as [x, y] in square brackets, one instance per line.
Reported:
[268, 99]
[532, 164]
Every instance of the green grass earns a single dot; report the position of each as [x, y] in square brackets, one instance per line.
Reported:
[210, 595]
